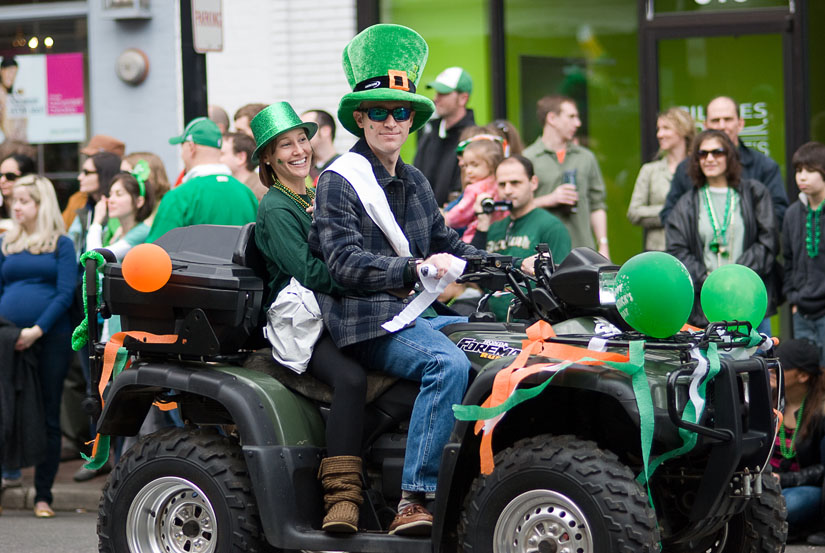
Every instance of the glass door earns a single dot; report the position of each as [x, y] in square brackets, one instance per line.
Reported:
[748, 68]
[754, 52]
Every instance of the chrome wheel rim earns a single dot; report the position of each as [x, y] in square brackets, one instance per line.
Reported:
[542, 521]
[171, 515]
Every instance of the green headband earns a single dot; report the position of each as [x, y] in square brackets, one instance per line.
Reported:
[141, 173]
[492, 137]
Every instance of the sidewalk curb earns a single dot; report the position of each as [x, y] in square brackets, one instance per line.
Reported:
[67, 497]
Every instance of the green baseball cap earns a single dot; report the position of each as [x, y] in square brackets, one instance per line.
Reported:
[452, 79]
[200, 131]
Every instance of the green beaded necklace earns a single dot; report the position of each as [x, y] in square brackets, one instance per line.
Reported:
[299, 201]
[812, 231]
[719, 243]
[789, 452]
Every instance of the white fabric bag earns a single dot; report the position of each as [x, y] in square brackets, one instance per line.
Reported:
[293, 326]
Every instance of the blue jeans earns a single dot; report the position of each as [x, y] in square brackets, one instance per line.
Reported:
[803, 504]
[423, 354]
[812, 329]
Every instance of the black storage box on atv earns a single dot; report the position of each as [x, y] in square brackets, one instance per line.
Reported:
[215, 269]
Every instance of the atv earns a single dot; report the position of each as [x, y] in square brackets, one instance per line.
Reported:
[593, 458]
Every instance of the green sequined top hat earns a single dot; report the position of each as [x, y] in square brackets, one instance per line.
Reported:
[385, 62]
[274, 121]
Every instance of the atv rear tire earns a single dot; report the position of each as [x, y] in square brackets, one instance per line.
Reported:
[557, 493]
[180, 490]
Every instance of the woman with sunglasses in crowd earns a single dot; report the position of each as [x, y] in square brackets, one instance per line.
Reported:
[725, 219]
[95, 176]
[12, 168]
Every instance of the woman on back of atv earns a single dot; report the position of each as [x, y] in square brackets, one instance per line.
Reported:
[284, 217]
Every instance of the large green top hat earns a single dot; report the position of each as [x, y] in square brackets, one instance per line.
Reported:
[274, 121]
[385, 62]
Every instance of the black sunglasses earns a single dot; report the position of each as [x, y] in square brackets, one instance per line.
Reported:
[716, 153]
[11, 177]
[380, 114]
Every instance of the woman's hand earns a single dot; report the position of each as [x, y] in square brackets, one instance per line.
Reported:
[28, 336]
[100, 211]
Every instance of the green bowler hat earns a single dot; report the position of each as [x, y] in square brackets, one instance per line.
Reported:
[274, 121]
[385, 62]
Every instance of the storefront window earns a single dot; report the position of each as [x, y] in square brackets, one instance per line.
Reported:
[47, 104]
[588, 50]
[666, 6]
[457, 34]
[816, 53]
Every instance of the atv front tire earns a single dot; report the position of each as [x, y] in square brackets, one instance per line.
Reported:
[180, 490]
[557, 493]
[762, 526]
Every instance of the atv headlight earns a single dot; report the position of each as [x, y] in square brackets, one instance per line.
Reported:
[607, 286]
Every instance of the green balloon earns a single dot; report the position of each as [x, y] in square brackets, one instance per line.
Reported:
[654, 294]
[734, 293]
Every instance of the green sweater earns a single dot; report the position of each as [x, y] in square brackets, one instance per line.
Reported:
[520, 237]
[210, 199]
[589, 183]
[281, 235]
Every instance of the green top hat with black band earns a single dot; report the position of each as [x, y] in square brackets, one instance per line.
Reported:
[272, 122]
[384, 63]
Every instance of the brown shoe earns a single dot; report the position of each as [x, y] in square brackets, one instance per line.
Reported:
[412, 520]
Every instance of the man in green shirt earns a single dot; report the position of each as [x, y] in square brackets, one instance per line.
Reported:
[209, 194]
[570, 182]
[526, 227]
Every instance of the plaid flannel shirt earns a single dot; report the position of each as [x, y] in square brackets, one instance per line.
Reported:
[358, 254]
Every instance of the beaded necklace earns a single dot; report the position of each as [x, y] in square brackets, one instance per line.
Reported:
[789, 452]
[299, 201]
[812, 231]
[719, 243]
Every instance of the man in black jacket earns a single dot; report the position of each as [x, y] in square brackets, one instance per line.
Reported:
[723, 114]
[437, 141]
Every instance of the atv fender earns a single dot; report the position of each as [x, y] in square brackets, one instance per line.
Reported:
[264, 411]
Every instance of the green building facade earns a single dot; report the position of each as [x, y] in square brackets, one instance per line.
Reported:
[626, 60]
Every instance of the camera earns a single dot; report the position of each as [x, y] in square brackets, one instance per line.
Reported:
[489, 205]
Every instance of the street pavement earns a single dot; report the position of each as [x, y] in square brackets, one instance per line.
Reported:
[68, 532]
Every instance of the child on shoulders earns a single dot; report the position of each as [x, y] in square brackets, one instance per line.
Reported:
[480, 156]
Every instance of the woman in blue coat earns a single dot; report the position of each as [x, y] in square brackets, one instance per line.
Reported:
[38, 274]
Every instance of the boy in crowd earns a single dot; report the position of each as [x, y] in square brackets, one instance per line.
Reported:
[803, 248]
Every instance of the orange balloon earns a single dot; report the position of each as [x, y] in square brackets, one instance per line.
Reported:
[146, 267]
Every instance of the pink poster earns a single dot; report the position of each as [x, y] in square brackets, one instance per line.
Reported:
[64, 88]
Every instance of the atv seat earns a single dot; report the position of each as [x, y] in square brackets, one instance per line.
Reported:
[306, 384]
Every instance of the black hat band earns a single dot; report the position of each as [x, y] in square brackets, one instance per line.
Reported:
[394, 79]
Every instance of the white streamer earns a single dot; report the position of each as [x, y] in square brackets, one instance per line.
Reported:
[432, 289]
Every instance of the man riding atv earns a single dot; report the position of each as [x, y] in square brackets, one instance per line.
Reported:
[384, 252]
